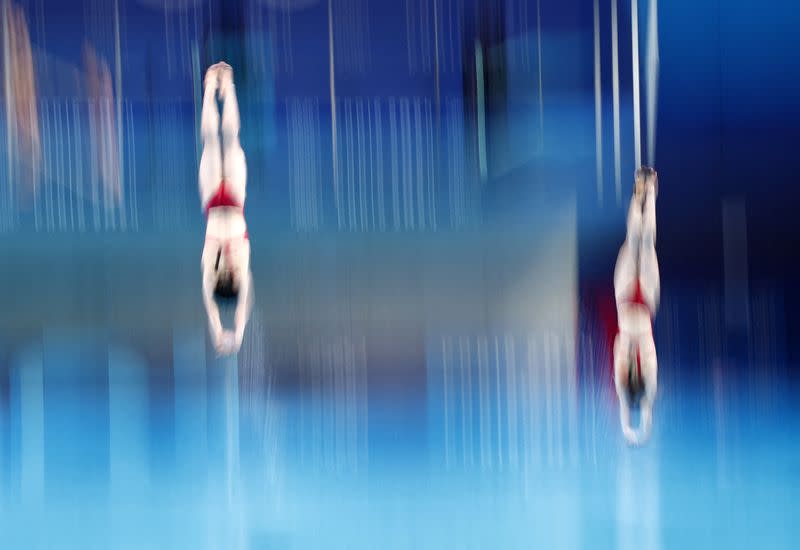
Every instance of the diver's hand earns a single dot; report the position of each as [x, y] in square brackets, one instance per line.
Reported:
[636, 438]
[631, 436]
[226, 343]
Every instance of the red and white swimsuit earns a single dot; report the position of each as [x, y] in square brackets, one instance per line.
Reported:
[637, 298]
[224, 199]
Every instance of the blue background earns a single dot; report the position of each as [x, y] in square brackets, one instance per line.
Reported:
[428, 360]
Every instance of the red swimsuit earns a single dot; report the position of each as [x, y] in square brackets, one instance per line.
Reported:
[224, 199]
[637, 298]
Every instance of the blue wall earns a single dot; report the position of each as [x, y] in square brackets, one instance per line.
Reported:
[409, 131]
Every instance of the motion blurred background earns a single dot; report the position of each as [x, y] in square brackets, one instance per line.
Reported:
[437, 193]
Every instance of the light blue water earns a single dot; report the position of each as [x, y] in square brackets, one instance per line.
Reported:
[201, 465]
[379, 401]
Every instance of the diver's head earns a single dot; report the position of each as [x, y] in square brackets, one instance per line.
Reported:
[227, 284]
[635, 380]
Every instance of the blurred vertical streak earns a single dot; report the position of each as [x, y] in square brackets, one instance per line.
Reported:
[260, 411]
[231, 370]
[539, 64]
[27, 399]
[436, 52]
[435, 147]
[79, 155]
[558, 393]
[128, 416]
[59, 183]
[637, 114]
[4, 433]
[499, 411]
[598, 105]
[535, 391]
[190, 401]
[372, 173]
[119, 120]
[350, 166]
[395, 166]
[70, 164]
[626, 512]
[420, 179]
[53, 167]
[479, 81]
[134, 205]
[28, 144]
[288, 41]
[334, 147]
[547, 366]
[720, 417]
[652, 80]
[638, 501]
[404, 112]
[220, 402]
[36, 185]
[411, 50]
[41, 37]
[379, 165]
[23, 141]
[615, 91]
[50, 208]
[8, 99]
[167, 39]
[469, 435]
[511, 392]
[446, 403]
[334, 406]
[45, 161]
[361, 160]
[483, 405]
[197, 87]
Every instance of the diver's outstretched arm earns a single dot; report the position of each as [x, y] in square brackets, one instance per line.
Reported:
[621, 368]
[243, 308]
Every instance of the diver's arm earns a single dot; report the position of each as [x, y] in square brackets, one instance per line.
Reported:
[212, 310]
[243, 307]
